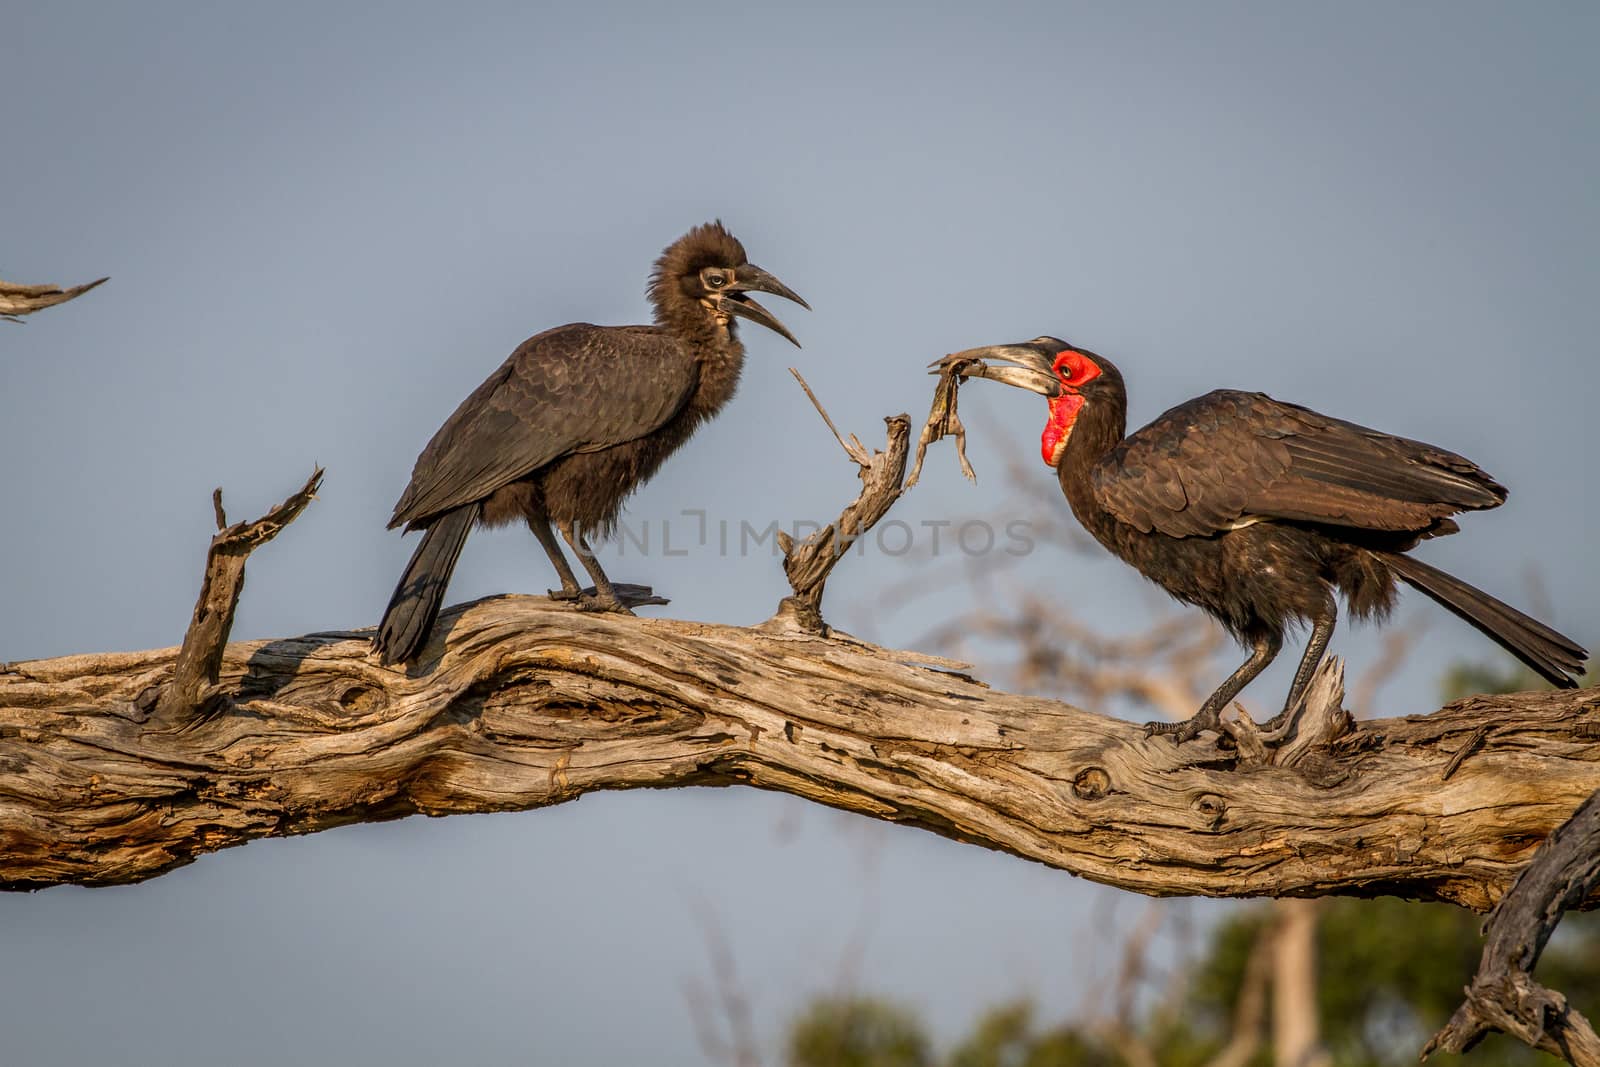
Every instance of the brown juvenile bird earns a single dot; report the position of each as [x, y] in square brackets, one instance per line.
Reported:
[1257, 511]
[575, 420]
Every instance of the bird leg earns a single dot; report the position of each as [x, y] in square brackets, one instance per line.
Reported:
[1321, 633]
[570, 590]
[1209, 717]
[605, 595]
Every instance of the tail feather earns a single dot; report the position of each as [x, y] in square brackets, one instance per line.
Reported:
[414, 606]
[1554, 656]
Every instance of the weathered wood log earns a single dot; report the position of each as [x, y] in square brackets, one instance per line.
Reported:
[519, 702]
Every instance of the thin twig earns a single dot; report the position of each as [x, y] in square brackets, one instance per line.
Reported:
[738, 1048]
[1398, 644]
[856, 451]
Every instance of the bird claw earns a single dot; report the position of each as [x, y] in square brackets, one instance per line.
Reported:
[634, 596]
[599, 605]
[624, 597]
[1189, 729]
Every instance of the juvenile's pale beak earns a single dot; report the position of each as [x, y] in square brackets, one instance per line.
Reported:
[735, 301]
[1026, 366]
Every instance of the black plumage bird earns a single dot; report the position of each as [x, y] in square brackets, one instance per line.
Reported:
[574, 421]
[1258, 511]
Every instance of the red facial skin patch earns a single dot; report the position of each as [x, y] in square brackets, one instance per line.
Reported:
[1073, 370]
[1063, 413]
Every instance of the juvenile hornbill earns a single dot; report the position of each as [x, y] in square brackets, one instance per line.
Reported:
[576, 419]
[1257, 511]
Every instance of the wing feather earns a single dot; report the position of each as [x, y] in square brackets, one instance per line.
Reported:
[572, 389]
[1226, 457]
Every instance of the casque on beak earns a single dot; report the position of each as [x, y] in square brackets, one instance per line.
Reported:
[1027, 365]
[748, 278]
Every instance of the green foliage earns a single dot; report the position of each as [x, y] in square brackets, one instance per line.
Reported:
[1007, 1036]
[1390, 973]
[858, 1032]
[1466, 679]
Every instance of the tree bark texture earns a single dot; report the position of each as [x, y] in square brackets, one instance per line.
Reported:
[519, 702]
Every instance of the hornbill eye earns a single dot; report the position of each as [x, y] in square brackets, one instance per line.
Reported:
[716, 279]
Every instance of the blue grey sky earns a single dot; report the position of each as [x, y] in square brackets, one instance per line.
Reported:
[326, 223]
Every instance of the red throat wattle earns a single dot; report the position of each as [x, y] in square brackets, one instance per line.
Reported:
[1063, 413]
[1073, 370]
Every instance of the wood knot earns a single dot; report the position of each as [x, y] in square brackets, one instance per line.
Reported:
[361, 699]
[1212, 807]
[1092, 783]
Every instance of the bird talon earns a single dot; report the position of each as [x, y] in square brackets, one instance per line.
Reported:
[602, 605]
[1187, 730]
[563, 594]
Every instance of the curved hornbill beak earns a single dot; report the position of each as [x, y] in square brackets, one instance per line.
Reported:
[750, 278]
[1029, 365]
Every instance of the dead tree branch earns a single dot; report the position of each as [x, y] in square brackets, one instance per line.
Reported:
[808, 563]
[519, 703]
[1503, 995]
[18, 300]
[194, 687]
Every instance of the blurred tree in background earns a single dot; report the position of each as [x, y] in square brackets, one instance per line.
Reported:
[1389, 973]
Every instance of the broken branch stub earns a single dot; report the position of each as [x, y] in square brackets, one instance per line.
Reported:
[17, 300]
[883, 478]
[194, 686]
[808, 563]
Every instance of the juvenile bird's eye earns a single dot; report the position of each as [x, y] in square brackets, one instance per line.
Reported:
[716, 279]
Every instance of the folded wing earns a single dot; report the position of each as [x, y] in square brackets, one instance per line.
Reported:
[1229, 458]
[576, 388]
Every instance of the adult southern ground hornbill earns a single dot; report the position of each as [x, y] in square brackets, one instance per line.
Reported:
[1257, 510]
[573, 422]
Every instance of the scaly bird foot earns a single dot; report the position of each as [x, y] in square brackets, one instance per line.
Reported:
[1278, 721]
[600, 604]
[637, 595]
[625, 596]
[1189, 729]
